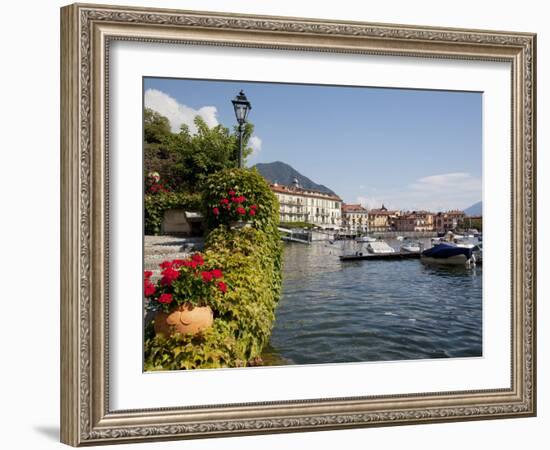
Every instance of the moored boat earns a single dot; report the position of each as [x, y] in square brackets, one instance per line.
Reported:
[411, 247]
[379, 247]
[365, 239]
[447, 253]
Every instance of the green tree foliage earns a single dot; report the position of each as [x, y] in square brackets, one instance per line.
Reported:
[185, 159]
[471, 222]
[156, 127]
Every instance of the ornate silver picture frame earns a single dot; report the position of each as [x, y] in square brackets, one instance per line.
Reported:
[87, 32]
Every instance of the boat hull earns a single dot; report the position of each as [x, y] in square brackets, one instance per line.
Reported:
[448, 254]
[380, 256]
[457, 260]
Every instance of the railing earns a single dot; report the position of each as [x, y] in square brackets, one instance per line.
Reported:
[290, 213]
[288, 202]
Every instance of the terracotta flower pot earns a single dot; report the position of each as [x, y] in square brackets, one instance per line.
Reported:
[185, 319]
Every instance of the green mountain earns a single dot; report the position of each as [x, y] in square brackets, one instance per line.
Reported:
[281, 173]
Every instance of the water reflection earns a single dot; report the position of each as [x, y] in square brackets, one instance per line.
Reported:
[332, 312]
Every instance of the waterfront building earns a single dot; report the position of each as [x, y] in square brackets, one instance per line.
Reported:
[446, 221]
[415, 221]
[355, 219]
[298, 204]
[383, 219]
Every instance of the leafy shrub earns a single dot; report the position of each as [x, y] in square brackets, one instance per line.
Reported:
[243, 315]
[251, 259]
[156, 204]
[247, 183]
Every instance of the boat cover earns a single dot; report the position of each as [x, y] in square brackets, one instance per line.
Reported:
[443, 251]
[380, 247]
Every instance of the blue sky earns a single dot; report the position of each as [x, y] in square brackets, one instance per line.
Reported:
[408, 149]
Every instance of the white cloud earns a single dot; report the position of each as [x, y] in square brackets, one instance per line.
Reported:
[436, 193]
[255, 143]
[450, 181]
[372, 202]
[178, 113]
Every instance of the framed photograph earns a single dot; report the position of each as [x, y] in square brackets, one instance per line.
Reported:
[276, 224]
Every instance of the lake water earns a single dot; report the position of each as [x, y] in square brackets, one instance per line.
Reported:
[334, 312]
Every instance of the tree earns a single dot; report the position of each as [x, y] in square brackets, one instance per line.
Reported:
[184, 159]
[156, 127]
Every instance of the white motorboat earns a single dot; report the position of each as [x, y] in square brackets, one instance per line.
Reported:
[365, 239]
[411, 247]
[379, 247]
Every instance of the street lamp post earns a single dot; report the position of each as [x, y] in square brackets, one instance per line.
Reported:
[242, 107]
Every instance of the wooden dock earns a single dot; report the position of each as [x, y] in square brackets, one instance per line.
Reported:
[293, 239]
[380, 256]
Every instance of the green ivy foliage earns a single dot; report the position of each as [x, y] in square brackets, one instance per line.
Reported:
[156, 204]
[251, 260]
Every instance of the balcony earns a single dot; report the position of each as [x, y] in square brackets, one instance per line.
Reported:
[290, 203]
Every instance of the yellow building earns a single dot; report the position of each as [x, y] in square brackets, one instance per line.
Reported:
[382, 219]
[355, 219]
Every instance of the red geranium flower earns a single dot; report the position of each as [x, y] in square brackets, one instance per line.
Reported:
[197, 257]
[224, 201]
[253, 207]
[169, 275]
[240, 199]
[177, 263]
[207, 276]
[147, 274]
[217, 273]
[252, 212]
[240, 210]
[222, 287]
[231, 192]
[165, 264]
[148, 288]
[216, 211]
[165, 298]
